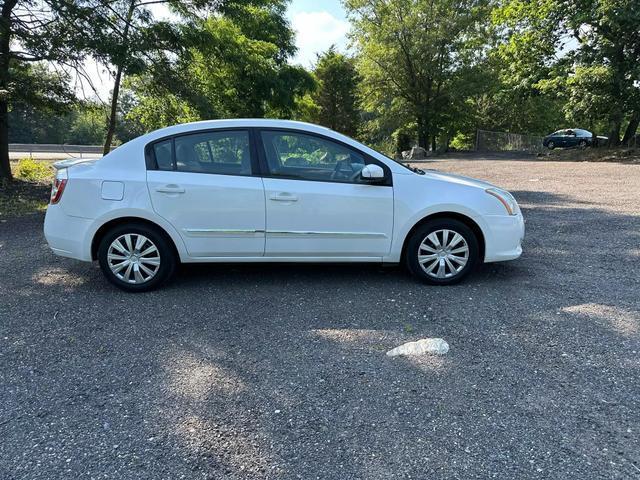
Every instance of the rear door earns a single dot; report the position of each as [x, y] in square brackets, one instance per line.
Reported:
[203, 184]
[316, 202]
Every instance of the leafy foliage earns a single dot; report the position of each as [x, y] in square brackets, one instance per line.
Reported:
[336, 94]
[33, 171]
[588, 51]
[409, 53]
[230, 68]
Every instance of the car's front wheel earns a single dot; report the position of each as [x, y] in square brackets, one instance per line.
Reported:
[582, 144]
[551, 145]
[442, 251]
[136, 257]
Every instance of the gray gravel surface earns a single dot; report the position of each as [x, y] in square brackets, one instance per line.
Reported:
[280, 371]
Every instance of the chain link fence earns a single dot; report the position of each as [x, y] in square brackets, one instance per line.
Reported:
[487, 141]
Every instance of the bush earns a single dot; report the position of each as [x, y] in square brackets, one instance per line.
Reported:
[33, 170]
[403, 140]
[463, 141]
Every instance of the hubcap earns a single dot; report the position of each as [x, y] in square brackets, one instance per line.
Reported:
[133, 258]
[443, 253]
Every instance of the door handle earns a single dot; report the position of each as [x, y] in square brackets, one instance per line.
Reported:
[170, 189]
[283, 197]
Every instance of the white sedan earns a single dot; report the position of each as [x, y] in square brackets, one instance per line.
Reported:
[271, 191]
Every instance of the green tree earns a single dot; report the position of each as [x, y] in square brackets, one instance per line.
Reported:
[306, 109]
[336, 93]
[134, 43]
[35, 31]
[87, 126]
[126, 38]
[234, 65]
[409, 52]
[591, 50]
[40, 104]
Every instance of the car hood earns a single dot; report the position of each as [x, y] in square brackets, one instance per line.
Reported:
[458, 179]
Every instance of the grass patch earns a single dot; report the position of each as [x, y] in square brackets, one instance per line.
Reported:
[29, 192]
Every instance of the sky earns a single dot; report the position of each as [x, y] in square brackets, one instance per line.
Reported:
[318, 25]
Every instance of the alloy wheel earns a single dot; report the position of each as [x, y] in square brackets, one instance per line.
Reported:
[443, 253]
[133, 258]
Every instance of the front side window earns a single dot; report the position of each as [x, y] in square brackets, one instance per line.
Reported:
[222, 152]
[307, 157]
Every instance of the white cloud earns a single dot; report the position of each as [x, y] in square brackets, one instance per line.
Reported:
[315, 33]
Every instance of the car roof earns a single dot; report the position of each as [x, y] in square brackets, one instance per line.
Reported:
[124, 151]
[576, 130]
[238, 123]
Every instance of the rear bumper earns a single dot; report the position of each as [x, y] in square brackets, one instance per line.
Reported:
[66, 235]
[506, 233]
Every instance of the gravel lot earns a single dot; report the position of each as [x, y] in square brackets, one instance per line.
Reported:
[280, 371]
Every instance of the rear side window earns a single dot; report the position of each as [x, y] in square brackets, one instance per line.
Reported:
[224, 153]
[162, 152]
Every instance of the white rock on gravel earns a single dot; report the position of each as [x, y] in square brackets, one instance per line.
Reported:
[426, 345]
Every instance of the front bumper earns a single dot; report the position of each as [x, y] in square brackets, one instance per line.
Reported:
[66, 235]
[506, 233]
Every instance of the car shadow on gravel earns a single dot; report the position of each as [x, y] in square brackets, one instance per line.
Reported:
[540, 198]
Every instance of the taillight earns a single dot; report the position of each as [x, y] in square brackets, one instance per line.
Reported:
[57, 189]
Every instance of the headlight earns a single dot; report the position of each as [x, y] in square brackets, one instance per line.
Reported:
[506, 199]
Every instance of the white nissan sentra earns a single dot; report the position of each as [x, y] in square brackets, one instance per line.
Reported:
[271, 191]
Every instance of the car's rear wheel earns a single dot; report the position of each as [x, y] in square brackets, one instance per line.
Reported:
[582, 144]
[136, 257]
[551, 145]
[442, 251]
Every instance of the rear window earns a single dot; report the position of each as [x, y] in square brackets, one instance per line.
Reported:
[162, 153]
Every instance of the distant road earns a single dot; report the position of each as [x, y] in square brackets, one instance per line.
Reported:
[45, 151]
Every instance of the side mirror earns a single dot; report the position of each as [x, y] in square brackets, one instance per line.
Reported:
[372, 173]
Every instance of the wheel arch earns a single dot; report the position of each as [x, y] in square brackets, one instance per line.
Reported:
[468, 221]
[105, 227]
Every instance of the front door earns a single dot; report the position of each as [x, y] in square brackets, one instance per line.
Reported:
[204, 188]
[317, 205]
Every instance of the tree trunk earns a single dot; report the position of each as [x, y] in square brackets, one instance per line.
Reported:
[614, 132]
[423, 132]
[632, 128]
[114, 111]
[5, 45]
[5, 166]
[615, 119]
[434, 144]
[116, 87]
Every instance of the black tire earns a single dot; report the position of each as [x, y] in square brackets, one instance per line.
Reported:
[551, 145]
[168, 258]
[582, 144]
[421, 233]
